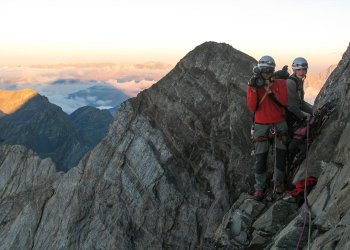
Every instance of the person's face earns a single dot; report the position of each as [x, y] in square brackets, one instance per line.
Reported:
[266, 75]
[266, 72]
[300, 73]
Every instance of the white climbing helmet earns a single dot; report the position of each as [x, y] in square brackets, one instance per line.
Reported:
[266, 64]
[300, 63]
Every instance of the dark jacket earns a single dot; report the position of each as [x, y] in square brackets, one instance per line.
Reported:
[296, 103]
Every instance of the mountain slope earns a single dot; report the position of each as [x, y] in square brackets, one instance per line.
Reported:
[48, 131]
[10, 101]
[91, 123]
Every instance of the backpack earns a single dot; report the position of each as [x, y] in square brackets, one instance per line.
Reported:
[291, 118]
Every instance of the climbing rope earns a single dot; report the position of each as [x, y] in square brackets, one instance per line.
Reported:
[274, 133]
[307, 210]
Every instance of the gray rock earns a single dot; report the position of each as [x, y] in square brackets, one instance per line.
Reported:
[24, 191]
[292, 236]
[164, 176]
[276, 217]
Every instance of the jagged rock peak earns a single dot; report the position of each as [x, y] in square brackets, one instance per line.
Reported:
[11, 100]
[200, 101]
[221, 59]
[211, 50]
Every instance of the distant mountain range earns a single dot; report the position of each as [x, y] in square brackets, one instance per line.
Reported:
[100, 96]
[43, 127]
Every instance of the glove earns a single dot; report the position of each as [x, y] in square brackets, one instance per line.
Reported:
[252, 81]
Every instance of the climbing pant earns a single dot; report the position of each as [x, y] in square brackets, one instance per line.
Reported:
[260, 170]
[280, 173]
[264, 135]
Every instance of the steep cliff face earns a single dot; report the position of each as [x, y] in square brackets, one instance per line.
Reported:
[26, 184]
[164, 175]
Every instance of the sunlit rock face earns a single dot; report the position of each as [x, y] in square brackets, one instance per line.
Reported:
[12, 100]
[173, 161]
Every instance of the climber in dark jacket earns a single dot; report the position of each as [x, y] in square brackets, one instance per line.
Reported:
[298, 108]
[295, 84]
[269, 123]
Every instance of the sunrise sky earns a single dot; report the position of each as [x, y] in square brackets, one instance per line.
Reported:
[77, 31]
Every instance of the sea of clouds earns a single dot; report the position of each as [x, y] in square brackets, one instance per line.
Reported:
[71, 86]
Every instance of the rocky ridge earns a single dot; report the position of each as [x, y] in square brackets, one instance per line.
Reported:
[170, 170]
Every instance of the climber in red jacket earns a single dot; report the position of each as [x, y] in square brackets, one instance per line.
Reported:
[266, 97]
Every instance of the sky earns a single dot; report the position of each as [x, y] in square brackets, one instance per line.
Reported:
[127, 31]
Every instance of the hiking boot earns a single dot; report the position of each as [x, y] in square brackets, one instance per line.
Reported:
[259, 194]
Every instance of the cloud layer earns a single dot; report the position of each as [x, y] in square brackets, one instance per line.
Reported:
[71, 86]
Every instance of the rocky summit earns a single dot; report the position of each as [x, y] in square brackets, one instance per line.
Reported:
[173, 172]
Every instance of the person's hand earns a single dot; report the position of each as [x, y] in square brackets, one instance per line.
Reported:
[252, 81]
[268, 90]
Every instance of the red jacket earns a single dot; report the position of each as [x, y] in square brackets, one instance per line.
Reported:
[268, 111]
